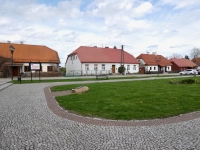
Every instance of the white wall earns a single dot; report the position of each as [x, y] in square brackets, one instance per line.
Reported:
[73, 63]
[108, 67]
[155, 68]
[44, 66]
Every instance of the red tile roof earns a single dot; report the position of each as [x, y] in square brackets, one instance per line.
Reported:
[182, 62]
[149, 59]
[27, 53]
[102, 55]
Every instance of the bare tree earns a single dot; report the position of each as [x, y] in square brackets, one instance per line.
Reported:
[3, 66]
[176, 55]
[195, 53]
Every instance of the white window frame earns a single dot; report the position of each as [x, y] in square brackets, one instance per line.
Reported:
[134, 67]
[86, 66]
[103, 67]
[95, 66]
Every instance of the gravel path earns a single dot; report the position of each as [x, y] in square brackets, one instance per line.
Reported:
[26, 122]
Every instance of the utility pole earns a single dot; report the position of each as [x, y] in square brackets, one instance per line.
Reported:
[122, 56]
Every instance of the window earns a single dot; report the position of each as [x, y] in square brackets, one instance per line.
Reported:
[26, 68]
[95, 66]
[128, 67]
[86, 66]
[154, 68]
[76, 57]
[103, 66]
[134, 67]
[150, 68]
[49, 68]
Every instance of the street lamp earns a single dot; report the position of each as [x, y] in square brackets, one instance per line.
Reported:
[12, 49]
[158, 60]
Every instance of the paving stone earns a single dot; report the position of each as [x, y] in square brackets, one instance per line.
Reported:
[26, 122]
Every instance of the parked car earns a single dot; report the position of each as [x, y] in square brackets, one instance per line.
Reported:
[188, 71]
[198, 71]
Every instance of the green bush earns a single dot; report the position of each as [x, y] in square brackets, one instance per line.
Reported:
[187, 81]
[121, 69]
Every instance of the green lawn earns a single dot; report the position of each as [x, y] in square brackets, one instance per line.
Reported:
[133, 99]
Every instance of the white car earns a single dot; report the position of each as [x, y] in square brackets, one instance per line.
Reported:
[188, 71]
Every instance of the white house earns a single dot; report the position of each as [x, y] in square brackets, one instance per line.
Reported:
[95, 60]
[153, 63]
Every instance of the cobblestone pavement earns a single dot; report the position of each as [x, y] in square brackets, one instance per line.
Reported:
[26, 122]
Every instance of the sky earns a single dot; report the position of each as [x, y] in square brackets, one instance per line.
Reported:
[162, 26]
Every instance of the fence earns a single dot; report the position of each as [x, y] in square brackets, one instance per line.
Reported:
[86, 72]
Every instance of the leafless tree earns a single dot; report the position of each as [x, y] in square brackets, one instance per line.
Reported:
[195, 53]
[176, 55]
[3, 66]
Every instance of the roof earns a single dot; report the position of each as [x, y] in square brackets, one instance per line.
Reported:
[27, 53]
[196, 60]
[88, 54]
[150, 59]
[182, 62]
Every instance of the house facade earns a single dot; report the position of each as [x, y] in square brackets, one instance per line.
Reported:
[180, 64]
[24, 54]
[95, 60]
[153, 63]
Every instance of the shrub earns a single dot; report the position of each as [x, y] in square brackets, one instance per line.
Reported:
[121, 69]
[187, 81]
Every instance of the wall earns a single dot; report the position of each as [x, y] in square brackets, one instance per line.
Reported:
[44, 66]
[108, 67]
[73, 63]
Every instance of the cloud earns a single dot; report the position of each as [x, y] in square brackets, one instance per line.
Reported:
[142, 9]
[181, 4]
[152, 46]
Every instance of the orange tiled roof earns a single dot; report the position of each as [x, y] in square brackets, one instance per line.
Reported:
[27, 53]
[149, 59]
[88, 54]
[182, 62]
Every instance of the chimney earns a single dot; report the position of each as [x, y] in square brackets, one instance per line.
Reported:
[106, 47]
[115, 47]
[8, 41]
[21, 42]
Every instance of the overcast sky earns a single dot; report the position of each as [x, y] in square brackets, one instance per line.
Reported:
[162, 26]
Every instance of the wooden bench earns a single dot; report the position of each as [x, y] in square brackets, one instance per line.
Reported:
[102, 76]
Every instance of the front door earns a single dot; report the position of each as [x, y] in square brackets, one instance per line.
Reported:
[15, 71]
[113, 68]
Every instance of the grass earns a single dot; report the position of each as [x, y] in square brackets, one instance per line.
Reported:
[132, 100]
[81, 79]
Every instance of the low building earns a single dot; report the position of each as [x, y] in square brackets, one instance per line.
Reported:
[180, 64]
[24, 54]
[87, 60]
[153, 63]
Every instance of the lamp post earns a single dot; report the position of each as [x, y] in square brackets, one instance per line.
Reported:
[12, 49]
[157, 61]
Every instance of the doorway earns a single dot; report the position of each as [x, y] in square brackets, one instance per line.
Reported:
[113, 68]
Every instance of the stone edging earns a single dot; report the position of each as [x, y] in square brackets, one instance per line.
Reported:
[56, 109]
